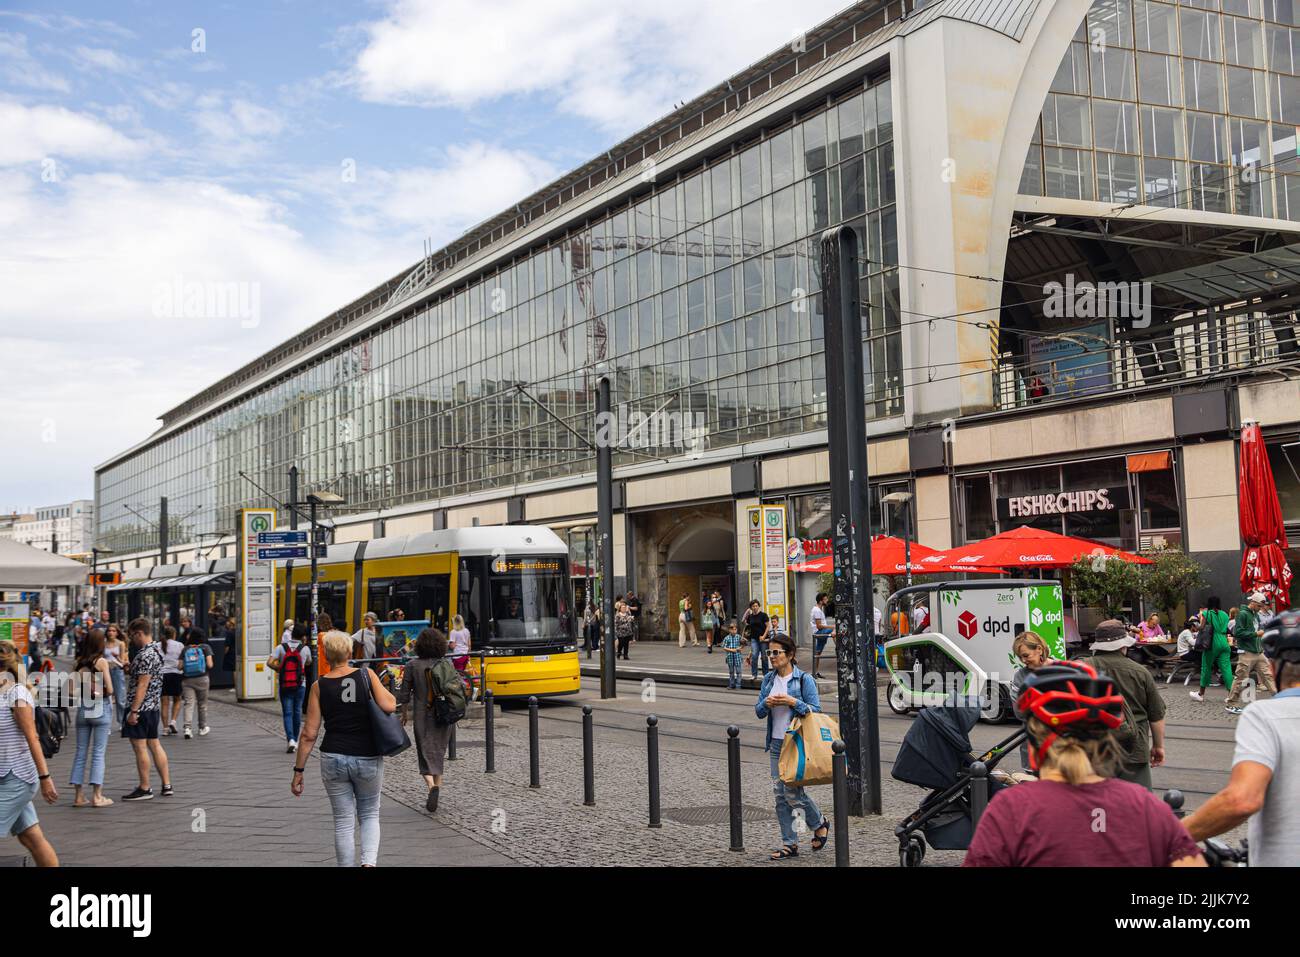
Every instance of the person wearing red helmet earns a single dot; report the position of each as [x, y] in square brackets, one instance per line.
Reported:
[1077, 814]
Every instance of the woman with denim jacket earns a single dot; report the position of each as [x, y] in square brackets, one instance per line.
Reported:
[787, 692]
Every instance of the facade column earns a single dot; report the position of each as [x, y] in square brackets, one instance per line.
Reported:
[966, 98]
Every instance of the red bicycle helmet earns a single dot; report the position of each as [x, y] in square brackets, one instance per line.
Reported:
[1073, 699]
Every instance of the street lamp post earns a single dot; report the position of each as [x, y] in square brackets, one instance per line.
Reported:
[326, 499]
[903, 502]
[94, 577]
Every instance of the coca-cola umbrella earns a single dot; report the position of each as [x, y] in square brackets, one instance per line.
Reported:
[1028, 547]
[888, 558]
[1263, 565]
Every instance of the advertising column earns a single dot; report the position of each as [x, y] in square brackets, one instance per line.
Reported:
[253, 680]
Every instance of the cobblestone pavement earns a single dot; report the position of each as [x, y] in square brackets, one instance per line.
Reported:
[550, 825]
[238, 779]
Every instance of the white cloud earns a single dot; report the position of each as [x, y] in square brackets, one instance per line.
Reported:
[20, 68]
[83, 267]
[467, 184]
[105, 59]
[62, 23]
[31, 133]
[239, 128]
[84, 264]
[620, 63]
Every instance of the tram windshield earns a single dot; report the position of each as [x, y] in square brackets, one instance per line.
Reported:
[529, 598]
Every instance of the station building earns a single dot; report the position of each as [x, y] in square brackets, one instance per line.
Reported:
[1079, 226]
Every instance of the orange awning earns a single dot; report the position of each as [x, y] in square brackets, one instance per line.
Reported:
[1149, 462]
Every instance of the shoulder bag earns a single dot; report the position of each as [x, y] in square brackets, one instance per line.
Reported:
[386, 729]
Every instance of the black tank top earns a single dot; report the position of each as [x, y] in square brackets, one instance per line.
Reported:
[347, 723]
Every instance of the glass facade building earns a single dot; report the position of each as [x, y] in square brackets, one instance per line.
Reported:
[700, 293]
[1192, 105]
[694, 285]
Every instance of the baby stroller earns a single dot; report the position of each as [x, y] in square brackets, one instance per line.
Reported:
[936, 754]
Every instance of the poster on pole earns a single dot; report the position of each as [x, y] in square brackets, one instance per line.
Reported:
[253, 679]
[754, 529]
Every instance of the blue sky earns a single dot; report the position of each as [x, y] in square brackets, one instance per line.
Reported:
[301, 150]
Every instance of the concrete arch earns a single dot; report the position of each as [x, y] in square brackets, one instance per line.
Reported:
[709, 539]
[967, 98]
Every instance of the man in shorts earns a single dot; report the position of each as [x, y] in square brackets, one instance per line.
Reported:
[1264, 788]
[821, 632]
[144, 715]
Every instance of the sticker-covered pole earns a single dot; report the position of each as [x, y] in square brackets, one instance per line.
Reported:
[850, 520]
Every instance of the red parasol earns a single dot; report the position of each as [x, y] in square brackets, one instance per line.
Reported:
[1028, 547]
[888, 557]
[1263, 566]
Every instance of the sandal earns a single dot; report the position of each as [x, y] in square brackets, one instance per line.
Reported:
[818, 842]
[785, 853]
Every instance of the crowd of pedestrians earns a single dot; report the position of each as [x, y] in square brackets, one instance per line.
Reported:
[1078, 759]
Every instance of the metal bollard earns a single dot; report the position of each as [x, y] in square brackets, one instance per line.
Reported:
[652, 766]
[840, 790]
[451, 743]
[588, 764]
[979, 790]
[733, 787]
[534, 746]
[489, 741]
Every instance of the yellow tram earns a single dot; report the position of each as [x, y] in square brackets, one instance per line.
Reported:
[509, 582]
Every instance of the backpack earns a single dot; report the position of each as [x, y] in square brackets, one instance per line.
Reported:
[443, 696]
[291, 667]
[194, 663]
[51, 727]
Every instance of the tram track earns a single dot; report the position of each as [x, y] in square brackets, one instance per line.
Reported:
[889, 745]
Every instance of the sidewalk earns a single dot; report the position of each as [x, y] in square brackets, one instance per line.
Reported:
[664, 660]
[232, 807]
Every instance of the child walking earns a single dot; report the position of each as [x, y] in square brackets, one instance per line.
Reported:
[731, 645]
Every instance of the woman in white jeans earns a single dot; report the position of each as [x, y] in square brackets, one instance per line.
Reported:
[351, 768]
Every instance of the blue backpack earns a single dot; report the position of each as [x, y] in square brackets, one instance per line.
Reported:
[195, 664]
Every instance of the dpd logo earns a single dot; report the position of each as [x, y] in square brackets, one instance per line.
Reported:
[993, 626]
[1036, 617]
[967, 625]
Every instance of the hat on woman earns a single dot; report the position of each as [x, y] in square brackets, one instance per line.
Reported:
[1111, 635]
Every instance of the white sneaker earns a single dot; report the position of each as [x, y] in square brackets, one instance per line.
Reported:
[188, 734]
[293, 746]
[204, 730]
[1196, 696]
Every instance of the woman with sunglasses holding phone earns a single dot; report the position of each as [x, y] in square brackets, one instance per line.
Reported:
[787, 691]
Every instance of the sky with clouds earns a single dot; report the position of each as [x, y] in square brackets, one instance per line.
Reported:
[303, 149]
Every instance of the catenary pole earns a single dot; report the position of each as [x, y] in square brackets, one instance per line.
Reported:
[605, 537]
[162, 531]
[850, 520]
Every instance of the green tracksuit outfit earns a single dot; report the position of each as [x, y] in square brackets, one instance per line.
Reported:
[1218, 656]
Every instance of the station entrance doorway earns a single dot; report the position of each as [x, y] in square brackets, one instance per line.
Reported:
[687, 550]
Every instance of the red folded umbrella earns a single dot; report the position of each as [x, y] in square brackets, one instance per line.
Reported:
[1028, 547]
[1263, 566]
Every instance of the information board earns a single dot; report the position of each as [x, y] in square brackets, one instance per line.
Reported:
[15, 621]
[767, 555]
[253, 679]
